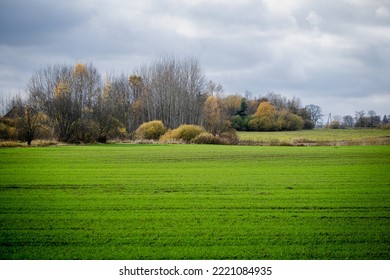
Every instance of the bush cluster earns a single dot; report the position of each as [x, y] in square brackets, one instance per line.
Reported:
[272, 116]
[225, 138]
[188, 133]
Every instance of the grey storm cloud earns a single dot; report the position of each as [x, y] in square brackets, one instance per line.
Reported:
[36, 22]
[335, 54]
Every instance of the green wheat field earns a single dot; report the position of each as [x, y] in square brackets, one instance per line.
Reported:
[127, 201]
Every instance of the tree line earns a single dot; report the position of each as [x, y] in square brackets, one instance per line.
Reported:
[361, 120]
[73, 103]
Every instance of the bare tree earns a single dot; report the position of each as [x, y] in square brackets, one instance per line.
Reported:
[294, 105]
[348, 121]
[118, 100]
[314, 112]
[277, 100]
[360, 120]
[373, 119]
[214, 89]
[28, 120]
[67, 95]
[173, 90]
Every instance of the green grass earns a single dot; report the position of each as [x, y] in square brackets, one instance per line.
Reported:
[320, 137]
[195, 202]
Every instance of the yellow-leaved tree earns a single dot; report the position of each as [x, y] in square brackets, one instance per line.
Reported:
[212, 115]
[265, 118]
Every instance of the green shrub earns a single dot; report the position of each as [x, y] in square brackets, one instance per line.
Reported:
[289, 121]
[184, 132]
[152, 130]
[240, 123]
[263, 123]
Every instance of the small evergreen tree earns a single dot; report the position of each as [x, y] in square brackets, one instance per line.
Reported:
[242, 112]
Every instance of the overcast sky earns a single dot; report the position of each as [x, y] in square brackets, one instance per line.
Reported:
[333, 53]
